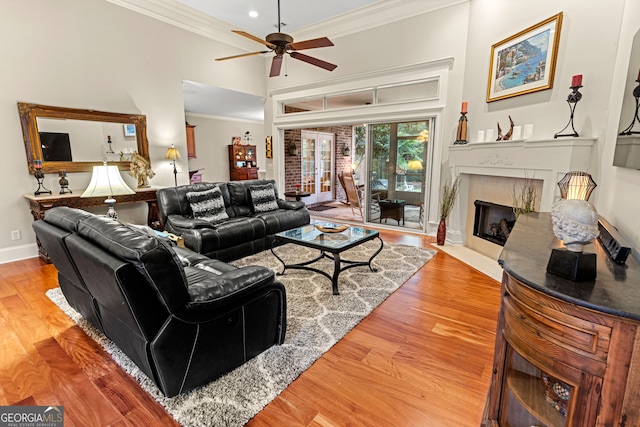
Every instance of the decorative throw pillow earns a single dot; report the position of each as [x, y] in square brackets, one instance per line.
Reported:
[263, 197]
[208, 204]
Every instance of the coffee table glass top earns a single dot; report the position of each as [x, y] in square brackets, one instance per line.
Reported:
[310, 235]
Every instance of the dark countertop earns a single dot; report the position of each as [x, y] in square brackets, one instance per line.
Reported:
[616, 289]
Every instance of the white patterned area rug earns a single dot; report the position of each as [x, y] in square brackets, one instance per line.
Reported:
[316, 320]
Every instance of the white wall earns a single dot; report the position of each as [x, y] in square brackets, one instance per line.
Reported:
[595, 41]
[212, 136]
[618, 199]
[97, 55]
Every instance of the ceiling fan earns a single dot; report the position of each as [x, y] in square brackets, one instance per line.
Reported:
[281, 43]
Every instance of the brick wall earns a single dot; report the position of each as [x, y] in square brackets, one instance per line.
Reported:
[292, 164]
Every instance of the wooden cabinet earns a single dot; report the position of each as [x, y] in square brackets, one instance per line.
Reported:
[242, 162]
[567, 353]
[191, 141]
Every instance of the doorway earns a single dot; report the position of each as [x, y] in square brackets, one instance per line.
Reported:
[317, 160]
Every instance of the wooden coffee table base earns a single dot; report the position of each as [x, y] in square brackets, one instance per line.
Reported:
[337, 264]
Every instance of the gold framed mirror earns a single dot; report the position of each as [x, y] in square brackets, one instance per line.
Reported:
[91, 147]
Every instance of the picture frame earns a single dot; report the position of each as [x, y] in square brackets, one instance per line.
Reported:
[236, 140]
[129, 129]
[525, 62]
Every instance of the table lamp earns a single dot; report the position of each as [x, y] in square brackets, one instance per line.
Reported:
[173, 154]
[576, 186]
[107, 181]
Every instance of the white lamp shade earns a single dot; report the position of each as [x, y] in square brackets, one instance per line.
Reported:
[106, 181]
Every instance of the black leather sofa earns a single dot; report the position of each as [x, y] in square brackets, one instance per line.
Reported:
[243, 233]
[183, 318]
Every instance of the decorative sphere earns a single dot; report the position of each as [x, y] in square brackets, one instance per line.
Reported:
[575, 222]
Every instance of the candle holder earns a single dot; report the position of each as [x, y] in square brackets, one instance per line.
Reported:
[636, 95]
[574, 97]
[461, 133]
[39, 176]
[64, 182]
[110, 150]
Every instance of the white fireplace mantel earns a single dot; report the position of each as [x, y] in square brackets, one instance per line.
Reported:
[547, 160]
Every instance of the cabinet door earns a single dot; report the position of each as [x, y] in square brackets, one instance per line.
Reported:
[191, 141]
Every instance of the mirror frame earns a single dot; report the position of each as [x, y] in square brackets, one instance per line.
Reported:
[28, 119]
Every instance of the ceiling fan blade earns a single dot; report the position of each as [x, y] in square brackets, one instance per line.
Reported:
[242, 55]
[276, 65]
[254, 38]
[313, 61]
[310, 44]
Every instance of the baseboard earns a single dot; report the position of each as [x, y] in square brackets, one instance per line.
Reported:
[17, 253]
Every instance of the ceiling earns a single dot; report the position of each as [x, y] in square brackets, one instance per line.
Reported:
[294, 14]
[215, 101]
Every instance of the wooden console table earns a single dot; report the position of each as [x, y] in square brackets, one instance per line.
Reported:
[567, 353]
[40, 204]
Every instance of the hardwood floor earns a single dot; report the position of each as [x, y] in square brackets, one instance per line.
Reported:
[422, 358]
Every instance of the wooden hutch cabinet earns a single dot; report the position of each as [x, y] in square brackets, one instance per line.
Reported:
[567, 353]
[242, 162]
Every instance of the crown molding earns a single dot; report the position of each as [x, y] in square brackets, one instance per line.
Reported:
[175, 13]
[372, 16]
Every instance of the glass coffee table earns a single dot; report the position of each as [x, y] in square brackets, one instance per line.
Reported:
[330, 245]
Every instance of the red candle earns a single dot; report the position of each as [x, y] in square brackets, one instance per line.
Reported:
[576, 80]
[37, 164]
[463, 109]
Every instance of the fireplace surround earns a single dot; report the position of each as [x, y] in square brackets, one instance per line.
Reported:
[497, 167]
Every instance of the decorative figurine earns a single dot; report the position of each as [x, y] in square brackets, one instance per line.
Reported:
[141, 169]
[575, 222]
[506, 136]
[64, 182]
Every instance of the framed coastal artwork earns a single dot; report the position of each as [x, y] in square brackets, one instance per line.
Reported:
[525, 62]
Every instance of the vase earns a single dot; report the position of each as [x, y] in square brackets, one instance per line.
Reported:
[441, 235]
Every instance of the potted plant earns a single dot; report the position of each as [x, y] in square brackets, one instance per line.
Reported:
[448, 198]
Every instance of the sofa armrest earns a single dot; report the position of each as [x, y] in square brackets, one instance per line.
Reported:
[218, 289]
[181, 221]
[290, 205]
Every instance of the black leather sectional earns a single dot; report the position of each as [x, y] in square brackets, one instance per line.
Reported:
[245, 232]
[183, 318]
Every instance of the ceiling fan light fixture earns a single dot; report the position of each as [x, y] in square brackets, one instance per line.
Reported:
[281, 44]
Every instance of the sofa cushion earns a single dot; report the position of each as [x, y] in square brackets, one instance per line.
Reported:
[208, 204]
[65, 217]
[151, 256]
[263, 197]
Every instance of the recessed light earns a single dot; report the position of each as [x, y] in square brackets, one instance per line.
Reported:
[253, 14]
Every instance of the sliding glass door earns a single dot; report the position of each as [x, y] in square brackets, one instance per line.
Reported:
[397, 159]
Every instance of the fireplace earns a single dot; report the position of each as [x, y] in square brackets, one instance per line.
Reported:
[493, 222]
